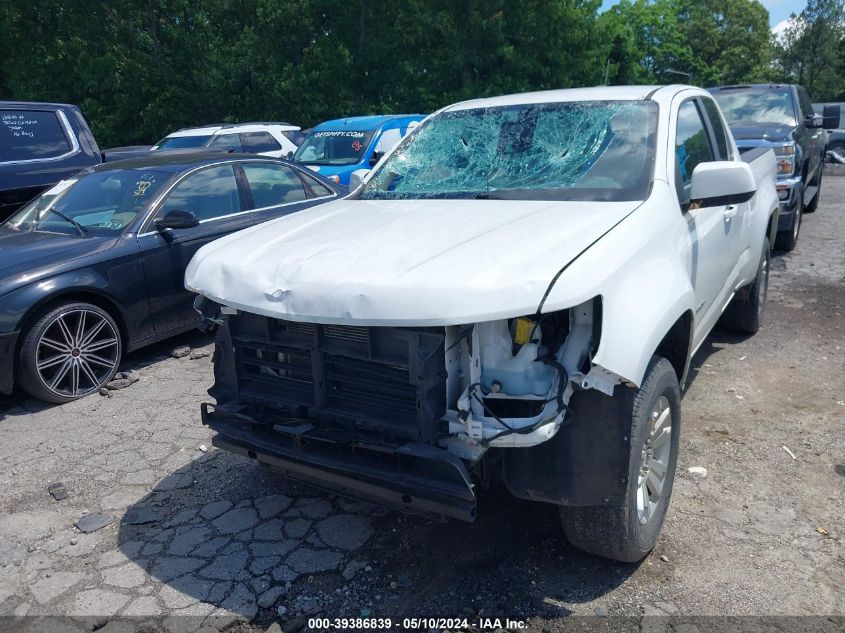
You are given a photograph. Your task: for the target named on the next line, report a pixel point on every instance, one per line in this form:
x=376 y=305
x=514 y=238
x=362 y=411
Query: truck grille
x=384 y=379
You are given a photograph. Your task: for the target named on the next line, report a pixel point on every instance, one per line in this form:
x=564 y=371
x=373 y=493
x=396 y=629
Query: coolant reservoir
x=518 y=374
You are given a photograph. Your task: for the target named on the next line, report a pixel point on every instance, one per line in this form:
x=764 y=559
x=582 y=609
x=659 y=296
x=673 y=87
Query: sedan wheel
x=70 y=352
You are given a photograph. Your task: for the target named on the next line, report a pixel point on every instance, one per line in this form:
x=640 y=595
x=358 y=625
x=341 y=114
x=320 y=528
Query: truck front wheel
x=628 y=533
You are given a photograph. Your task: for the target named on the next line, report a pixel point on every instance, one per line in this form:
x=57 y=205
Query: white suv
x=269 y=139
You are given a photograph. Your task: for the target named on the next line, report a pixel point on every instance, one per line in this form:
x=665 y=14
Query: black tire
x=57 y=340
x=787 y=240
x=816 y=182
x=746 y=310
x=619 y=533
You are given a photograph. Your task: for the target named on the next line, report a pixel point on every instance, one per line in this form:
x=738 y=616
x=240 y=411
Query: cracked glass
x=586 y=150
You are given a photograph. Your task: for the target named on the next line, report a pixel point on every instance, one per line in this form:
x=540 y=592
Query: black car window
x=318 y=188
x=719 y=130
x=273 y=184
x=804 y=101
x=210 y=193
x=257 y=142
x=692 y=147
x=227 y=140
x=105 y=201
x=31 y=134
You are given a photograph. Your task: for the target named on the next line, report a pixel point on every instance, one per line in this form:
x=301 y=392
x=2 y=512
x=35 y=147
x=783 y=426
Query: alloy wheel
x=654 y=460
x=77 y=352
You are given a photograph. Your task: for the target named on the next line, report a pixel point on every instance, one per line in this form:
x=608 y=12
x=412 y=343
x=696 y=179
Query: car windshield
x=99 y=202
x=183 y=142
x=334 y=147
x=582 y=150
x=751 y=106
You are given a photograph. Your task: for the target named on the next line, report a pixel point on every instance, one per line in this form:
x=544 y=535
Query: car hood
x=772 y=132
x=411 y=262
x=25 y=254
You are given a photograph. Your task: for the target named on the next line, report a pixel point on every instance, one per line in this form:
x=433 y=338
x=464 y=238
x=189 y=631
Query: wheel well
x=70 y=296
x=675 y=346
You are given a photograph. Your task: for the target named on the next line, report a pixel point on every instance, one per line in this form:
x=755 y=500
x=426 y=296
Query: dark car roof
x=179 y=161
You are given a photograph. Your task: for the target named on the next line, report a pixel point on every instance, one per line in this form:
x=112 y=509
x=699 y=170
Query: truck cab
x=781 y=117
x=40 y=144
x=335 y=149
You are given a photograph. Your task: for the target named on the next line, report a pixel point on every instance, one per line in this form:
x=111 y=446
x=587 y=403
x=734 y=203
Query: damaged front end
x=408 y=417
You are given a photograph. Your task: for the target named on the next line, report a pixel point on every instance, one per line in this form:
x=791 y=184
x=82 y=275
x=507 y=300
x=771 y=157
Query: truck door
x=813 y=140
x=715 y=232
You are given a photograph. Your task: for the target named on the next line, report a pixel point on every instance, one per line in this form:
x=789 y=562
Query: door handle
x=731 y=211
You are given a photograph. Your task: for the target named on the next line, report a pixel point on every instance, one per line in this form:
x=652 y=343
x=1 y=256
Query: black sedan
x=94 y=267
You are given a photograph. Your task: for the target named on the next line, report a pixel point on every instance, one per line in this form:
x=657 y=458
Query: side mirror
x=356 y=178
x=176 y=219
x=289 y=155
x=376 y=157
x=813 y=120
x=831 y=117
x=720 y=183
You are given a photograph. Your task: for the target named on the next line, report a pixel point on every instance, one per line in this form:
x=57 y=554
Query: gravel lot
x=199 y=538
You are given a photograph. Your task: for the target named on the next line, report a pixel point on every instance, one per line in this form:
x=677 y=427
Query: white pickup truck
x=515 y=292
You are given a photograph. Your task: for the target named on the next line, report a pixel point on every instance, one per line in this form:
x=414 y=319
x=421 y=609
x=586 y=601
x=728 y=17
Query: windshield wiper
x=82 y=230
x=488 y=196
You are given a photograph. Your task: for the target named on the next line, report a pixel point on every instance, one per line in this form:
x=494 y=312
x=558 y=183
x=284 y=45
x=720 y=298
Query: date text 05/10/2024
x=414 y=623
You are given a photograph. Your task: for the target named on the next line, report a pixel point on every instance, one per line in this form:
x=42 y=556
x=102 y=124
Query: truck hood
x=410 y=262
x=772 y=132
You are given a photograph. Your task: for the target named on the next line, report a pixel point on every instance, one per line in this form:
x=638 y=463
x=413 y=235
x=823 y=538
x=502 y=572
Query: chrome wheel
x=77 y=352
x=654 y=461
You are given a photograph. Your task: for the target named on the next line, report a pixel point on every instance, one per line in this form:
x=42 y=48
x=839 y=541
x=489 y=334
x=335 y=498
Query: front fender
x=638 y=313
x=641 y=269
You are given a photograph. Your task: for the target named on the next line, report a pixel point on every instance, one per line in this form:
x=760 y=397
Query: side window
x=692 y=146
x=388 y=140
x=209 y=194
x=272 y=184
x=31 y=134
x=719 y=130
x=257 y=142
x=227 y=140
x=318 y=188
x=806 y=104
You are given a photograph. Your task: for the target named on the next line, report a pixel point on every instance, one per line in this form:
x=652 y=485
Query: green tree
x=811 y=50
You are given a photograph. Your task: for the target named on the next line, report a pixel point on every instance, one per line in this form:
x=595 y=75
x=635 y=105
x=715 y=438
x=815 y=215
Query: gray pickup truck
x=781 y=116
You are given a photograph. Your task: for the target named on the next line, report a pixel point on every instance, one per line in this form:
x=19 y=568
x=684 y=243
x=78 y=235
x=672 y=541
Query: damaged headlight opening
x=516 y=375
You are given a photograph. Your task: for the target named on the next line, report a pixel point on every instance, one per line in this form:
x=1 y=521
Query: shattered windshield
x=581 y=150
x=753 y=106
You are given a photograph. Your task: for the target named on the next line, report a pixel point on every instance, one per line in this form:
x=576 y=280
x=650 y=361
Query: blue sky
x=779 y=10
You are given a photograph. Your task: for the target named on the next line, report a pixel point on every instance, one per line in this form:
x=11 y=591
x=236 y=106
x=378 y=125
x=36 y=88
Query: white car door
x=715 y=232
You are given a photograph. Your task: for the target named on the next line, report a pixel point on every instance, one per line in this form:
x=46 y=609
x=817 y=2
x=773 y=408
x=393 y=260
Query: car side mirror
x=176 y=219
x=813 y=120
x=289 y=155
x=831 y=117
x=720 y=183
x=356 y=178
x=375 y=158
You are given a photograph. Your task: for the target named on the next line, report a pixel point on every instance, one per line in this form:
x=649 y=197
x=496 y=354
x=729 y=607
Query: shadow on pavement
x=228 y=539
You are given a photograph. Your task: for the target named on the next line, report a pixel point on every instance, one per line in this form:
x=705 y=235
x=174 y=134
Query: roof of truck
x=364 y=123
x=597 y=93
